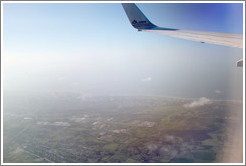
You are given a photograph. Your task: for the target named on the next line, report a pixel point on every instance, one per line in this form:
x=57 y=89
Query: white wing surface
x=219 y=38
x=139 y=21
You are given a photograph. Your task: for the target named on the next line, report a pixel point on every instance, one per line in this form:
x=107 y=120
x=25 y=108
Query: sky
x=93 y=49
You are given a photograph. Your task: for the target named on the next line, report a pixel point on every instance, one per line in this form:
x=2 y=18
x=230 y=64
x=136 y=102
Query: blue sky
x=92 y=48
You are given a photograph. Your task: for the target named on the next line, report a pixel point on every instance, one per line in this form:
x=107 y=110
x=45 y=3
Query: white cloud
x=147 y=79
x=217 y=91
x=61 y=78
x=198 y=103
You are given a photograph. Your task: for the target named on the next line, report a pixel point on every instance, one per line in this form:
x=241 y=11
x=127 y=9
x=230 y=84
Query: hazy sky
x=92 y=48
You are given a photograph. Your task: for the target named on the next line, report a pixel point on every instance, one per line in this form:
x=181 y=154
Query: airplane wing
x=139 y=21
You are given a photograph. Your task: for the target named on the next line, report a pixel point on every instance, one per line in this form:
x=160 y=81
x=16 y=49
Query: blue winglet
x=139 y=20
x=136 y=17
